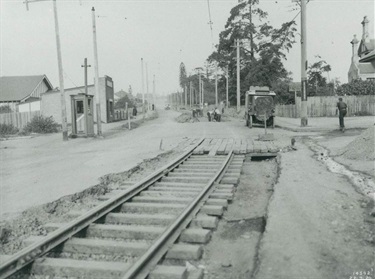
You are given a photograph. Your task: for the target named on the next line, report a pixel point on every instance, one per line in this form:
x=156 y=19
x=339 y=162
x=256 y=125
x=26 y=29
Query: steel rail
x=142 y=267
x=29 y=254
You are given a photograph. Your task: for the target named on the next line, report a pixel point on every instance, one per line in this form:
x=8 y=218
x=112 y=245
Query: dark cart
x=260 y=106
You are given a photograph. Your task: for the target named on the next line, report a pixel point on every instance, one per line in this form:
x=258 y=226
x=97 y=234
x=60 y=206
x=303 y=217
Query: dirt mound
x=362 y=148
x=186 y=117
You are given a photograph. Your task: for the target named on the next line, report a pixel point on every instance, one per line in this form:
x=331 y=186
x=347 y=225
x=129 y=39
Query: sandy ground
x=44 y=168
x=317 y=224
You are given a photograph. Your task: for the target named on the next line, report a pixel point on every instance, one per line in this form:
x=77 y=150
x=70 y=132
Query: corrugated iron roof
x=17 y=88
x=366 y=68
x=368 y=57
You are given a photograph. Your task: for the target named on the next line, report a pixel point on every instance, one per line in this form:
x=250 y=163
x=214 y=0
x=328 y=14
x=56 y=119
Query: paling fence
x=18 y=119
x=326 y=106
x=120 y=114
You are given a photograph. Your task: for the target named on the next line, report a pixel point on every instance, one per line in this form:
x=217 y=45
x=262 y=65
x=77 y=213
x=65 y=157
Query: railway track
x=148 y=229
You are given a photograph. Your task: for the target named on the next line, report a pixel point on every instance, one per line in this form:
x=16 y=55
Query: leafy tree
x=317 y=83
x=183 y=76
x=263 y=48
x=121 y=103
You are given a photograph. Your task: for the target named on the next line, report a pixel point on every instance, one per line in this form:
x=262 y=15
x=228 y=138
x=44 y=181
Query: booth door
x=80 y=116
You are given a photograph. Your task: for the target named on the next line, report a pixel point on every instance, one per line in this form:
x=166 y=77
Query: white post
x=97 y=97
x=126 y=108
x=129 y=120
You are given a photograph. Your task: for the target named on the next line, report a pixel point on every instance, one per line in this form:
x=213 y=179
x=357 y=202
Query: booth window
x=89 y=106
x=80 y=107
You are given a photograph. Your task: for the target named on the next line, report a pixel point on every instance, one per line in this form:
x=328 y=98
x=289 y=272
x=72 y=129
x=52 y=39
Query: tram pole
x=304 y=120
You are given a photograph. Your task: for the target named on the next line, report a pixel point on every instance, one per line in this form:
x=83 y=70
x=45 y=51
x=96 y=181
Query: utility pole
x=97 y=97
x=203 y=93
x=304 y=119
x=60 y=68
x=200 y=89
x=153 y=91
x=147 y=92
x=190 y=94
x=85 y=66
x=185 y=91
x=227 y=76
x=216 y=97
x=238 y=76
x=143 y=90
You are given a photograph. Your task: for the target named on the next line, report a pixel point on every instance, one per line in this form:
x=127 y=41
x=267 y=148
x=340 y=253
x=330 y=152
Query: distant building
x=363 y=56
x=22 y=93
x=51 y=103
x=120 y=94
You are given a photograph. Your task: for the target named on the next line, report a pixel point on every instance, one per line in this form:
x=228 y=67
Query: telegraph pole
x=203 y=93
x=85 y=66
x=153 y=91
x=190 y=95
x=227 y=76
x=97 y=97
x=61 y=78
x=60 y=67
x=238 y=76
x=143 y=90
x=185 y=95
x=216 y=97
x=304 y=119
x=147 y=92
x=200 y=88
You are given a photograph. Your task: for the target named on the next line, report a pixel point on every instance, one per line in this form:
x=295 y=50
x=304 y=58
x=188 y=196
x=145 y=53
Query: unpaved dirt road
x=291 y=217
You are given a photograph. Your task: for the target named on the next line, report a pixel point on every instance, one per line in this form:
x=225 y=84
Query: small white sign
x=109 y=83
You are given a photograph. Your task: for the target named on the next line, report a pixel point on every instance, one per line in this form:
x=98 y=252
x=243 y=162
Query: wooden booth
x=82 y=115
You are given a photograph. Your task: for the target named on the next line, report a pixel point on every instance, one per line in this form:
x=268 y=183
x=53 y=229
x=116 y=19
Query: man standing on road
x=341 y=107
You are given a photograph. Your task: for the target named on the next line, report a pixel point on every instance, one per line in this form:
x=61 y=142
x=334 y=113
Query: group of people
x=214 y=115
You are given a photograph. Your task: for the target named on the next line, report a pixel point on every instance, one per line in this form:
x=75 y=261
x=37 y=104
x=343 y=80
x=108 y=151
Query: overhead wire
x=210 y=23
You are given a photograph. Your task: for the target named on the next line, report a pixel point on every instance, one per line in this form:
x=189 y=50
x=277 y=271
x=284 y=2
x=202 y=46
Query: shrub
x=8 y=129
x=42 y=125
x=5 y=109
x=357 y=87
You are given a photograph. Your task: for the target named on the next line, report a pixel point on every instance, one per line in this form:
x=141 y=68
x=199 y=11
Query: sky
x=162 y=32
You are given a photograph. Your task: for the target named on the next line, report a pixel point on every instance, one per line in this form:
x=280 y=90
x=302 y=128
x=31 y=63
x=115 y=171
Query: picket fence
x=18 y=119
x=326 y=106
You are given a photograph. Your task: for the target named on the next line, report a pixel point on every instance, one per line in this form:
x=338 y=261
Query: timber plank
x=249 y=146
x=243 y=146
x=214 y=149
x=208 y=147
x=221 y=149
x=236 y=146
x=229 y=146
